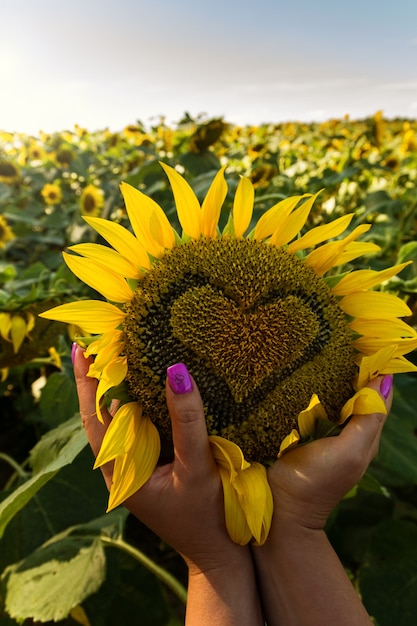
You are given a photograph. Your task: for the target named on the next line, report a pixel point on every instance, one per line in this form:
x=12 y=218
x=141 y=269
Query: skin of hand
x=301 y=580
x=309 y=481
x=182 y=503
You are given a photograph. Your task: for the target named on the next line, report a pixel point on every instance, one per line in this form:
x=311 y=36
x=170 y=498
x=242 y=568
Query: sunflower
x=92 y=200
x=51 y=193
x=6 y=233
x=9 y=172
x=280 y=353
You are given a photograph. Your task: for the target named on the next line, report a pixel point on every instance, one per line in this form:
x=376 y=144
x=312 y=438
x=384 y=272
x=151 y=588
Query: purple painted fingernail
x=386 y=385
x=179 y=378
x=73 y=351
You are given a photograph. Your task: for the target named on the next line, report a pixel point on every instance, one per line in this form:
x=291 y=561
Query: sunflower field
x=62 y=558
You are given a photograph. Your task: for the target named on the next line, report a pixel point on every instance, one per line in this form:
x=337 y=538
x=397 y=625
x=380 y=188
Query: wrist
x=233 y=558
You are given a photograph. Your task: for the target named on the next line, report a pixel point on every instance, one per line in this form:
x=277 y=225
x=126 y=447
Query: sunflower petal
x=121 y=240
x=212 y=204
x=227 y=454
x=362 y=280
x=364 y=402
x=186 y=202
x=235 y=518
x=135 y=468
x=328 y=255
x=243 y=206
x=111 y=285
x=149 y=222
x=356 y=249
x=321 y=233
x=276 y=216
x=391 y=329
x=5 y=325
x=371 y=366
x=255 y=498
x=112 y=375
x=92 y=316
x=17 y=332
x=294 y=223
x=369 y=304
x=121 y=433
x=308 y=417
x=108 y=257
x=289 y=442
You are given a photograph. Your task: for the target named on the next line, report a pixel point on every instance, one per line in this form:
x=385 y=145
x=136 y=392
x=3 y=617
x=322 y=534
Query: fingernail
x=386 y=385
x=179 y=378
x=73 y=351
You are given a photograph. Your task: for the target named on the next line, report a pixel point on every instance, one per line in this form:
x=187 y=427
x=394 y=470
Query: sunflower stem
x=168 y=579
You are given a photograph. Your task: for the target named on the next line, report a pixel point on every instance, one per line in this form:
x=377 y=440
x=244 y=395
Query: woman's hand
x=309 y=481
x=301 y=579
x=182 y=503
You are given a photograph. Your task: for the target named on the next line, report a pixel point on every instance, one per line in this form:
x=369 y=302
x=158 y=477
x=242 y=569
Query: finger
x=189 y=430
x=86 y=389
x=364 y=431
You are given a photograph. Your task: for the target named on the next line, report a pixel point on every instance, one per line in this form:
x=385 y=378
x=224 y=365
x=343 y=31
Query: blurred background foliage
x=61 y=558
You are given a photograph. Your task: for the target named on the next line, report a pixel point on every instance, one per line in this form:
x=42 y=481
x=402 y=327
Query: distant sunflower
x=9 y=172
x=51 y=193
x=6 y=233
x=92 y=201
x=279 y=353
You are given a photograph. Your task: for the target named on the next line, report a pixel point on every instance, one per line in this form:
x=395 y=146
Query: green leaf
x=50 y=589
x=66 y=442
x=59 y=400
x=388 y=579
x=396 y=464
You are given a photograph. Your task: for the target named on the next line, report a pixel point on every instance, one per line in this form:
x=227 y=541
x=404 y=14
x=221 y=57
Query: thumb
x=189 y=431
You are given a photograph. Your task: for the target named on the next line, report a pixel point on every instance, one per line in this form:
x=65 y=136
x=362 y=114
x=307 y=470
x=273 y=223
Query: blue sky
x=107 y=64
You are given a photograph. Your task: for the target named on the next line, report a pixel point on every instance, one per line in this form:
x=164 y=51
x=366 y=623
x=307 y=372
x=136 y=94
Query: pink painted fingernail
x=179 y=378
x=386 y=385
x=73 y=351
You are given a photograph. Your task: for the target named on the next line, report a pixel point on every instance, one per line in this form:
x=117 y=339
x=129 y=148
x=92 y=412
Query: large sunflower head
x=280 y=353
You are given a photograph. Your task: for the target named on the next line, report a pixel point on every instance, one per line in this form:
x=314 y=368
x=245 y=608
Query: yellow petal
x=212 y=204
x=111 y=285
x=362 y=280
x=356 y=249
x=289 y=442
x=255 y=498
x=93 y=316
x=5 y=325
x=134 y=469
x=369 y=345
x=108 y=257
x=112 y=375
x=328 y=255
x=398 y=365
x=321 y=233
x=235 y=518
x=276 y=216
x=364 y=402
x=372 y=366
x=186 y=202
x=293 y=224
x=17 y=332
x=121 y=240
x=391 y=329
x=149 y=222
x=308 y=417
x=243 y=206
x=369 y=304
x=121 y=433
x=227 y=454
